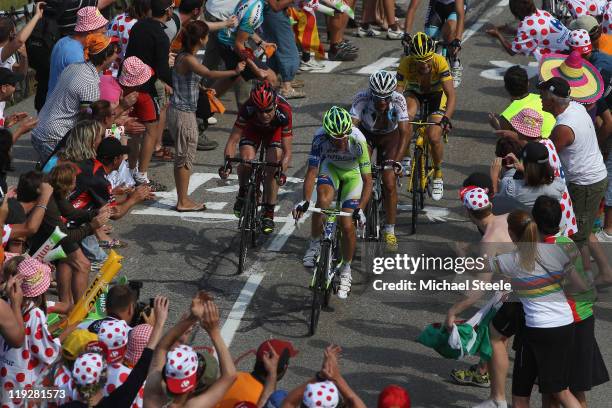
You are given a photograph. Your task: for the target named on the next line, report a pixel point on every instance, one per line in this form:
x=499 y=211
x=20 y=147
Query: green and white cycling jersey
x=341 y=167
x=355 y=157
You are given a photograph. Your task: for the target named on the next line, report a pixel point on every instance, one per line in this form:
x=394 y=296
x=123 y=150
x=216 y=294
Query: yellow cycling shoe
x=390 y=242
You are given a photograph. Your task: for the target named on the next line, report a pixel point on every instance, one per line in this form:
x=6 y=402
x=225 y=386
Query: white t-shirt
x=582 y=160
x=540 y=290
x=540 y=34
x=8 y=63
x=221 y=9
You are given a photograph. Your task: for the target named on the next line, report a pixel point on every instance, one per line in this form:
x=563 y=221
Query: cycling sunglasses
x=382 y=98
x=269 y=110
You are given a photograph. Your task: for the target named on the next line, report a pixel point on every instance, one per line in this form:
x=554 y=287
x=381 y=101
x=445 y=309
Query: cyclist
x=265 y=118
x=381 y=114
x=338 y=159
x=424 y=77
x=445 y=20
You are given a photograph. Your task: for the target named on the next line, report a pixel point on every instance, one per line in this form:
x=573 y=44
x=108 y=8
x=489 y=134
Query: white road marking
x=224 y=189
x=497 y=74
x=329 y=66
x=169 y=211
x=256 y=273
x=379 y=64
x=497 y=9
x=433 y=214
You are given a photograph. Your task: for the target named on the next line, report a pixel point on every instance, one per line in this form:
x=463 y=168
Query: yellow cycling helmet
x=422 y=47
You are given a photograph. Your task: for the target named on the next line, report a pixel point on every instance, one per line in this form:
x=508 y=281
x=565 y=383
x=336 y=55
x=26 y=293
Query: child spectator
x=25 y=366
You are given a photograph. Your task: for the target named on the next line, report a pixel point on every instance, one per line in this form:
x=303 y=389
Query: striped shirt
x=185 y=87
x=540 y=289
x=78 y=84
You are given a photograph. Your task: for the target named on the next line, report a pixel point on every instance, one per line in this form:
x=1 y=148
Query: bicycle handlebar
x=424 y=123
x=252 y=162
x=330 y=211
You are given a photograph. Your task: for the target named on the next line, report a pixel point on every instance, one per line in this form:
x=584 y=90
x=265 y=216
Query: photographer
x=120 y=305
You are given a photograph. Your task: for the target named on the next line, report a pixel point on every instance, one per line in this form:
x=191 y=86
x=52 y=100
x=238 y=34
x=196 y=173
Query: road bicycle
x=324 y=280
x=249 y=223
x=375 y=210
x=422 y=169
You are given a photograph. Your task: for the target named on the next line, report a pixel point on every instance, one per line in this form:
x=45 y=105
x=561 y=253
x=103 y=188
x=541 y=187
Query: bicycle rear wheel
x=417 y=190
x=245 y=229
x=319 y=287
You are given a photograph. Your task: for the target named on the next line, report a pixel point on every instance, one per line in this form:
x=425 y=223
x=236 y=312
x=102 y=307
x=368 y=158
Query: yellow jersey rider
x=424 y=76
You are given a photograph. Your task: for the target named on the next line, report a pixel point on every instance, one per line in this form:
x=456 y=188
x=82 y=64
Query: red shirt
x=281 y=126
x=92 y=190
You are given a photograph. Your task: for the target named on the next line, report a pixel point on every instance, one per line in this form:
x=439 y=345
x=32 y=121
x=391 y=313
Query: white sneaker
x=212 y=120
x=603 y=236
x=344 y=286
x=437 y=190
x=394 y=34
x=492 y=404
x=369 y=32
x=310 y=258
x=457 y=72
x=311 y=65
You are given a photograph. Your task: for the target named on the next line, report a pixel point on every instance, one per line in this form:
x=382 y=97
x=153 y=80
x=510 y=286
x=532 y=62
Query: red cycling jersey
x=253 y=131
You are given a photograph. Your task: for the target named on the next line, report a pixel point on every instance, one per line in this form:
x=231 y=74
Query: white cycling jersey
x=374 y=122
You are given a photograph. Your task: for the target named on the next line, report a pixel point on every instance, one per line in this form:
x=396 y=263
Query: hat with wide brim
x=585 y=81
x=134 y=72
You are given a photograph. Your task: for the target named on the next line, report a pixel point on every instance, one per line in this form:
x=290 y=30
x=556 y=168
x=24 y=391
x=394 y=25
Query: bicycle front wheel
x=417 y=190
x=319 y=287
x=372 y=212
x=246 y=226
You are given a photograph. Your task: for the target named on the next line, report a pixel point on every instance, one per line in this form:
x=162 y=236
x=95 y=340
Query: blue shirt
x=250 y=18
x=65 y=52
x=603 y=62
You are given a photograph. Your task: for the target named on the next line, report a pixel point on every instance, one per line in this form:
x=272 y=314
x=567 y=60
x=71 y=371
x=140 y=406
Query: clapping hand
x=270 y=360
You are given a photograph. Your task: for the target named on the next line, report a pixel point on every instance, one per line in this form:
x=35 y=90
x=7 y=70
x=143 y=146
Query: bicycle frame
x=249 y=222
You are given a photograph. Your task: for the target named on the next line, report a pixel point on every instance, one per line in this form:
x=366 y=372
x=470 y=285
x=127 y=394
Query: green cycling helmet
x=337 y=122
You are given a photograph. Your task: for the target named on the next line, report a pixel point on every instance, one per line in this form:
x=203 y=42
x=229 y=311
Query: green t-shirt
x=534 y=102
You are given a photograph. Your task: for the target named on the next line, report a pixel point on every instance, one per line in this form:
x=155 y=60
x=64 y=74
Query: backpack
x=44 y=36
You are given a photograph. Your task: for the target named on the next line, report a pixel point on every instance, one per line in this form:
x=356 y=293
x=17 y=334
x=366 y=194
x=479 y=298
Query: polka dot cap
x=321 y=394
x=606 y=23
x=114 y=333
x=580 y=41
x=476 y=199
x=88 y=368
x=181 y=368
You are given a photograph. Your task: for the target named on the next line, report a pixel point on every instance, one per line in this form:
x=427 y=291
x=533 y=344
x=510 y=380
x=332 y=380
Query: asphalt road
x=177 y=255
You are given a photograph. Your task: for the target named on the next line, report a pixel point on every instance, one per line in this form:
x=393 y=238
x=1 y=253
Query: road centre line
x=256 y=273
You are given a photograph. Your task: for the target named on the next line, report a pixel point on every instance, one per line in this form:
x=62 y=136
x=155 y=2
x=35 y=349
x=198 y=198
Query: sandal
x=163 y=154
x=293 y=94
x=197 y=208
x=113 y=243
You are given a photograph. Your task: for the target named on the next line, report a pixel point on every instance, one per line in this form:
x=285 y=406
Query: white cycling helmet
x=383 y=83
